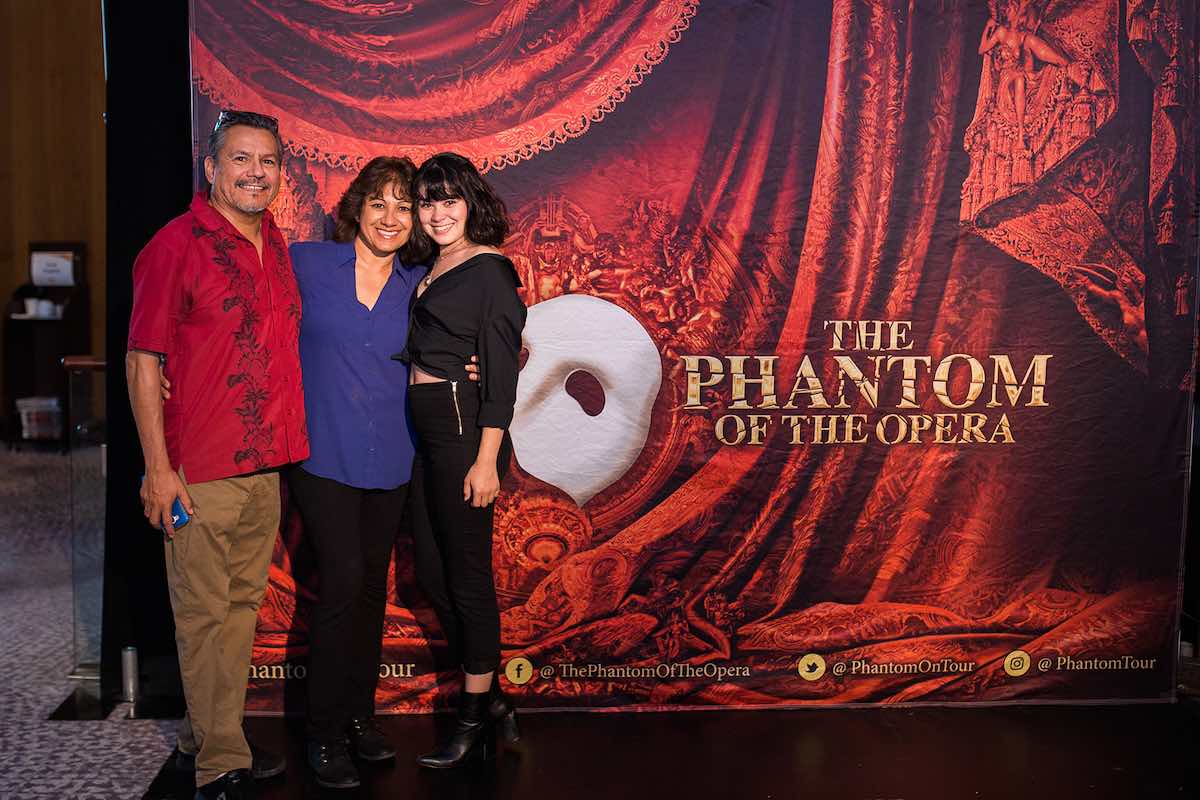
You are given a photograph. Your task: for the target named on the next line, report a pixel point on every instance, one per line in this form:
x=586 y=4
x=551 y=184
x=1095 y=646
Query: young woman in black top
x=466 y=304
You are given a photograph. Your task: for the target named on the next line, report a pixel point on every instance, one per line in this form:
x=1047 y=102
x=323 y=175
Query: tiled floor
x=105 y=760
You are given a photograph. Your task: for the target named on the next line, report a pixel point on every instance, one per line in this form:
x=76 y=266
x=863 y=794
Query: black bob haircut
x=448 y=176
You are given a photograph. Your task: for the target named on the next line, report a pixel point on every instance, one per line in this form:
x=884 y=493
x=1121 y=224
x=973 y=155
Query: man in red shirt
x=216 y=305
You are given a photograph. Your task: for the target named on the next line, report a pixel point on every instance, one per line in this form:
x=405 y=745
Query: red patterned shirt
x=229 y=326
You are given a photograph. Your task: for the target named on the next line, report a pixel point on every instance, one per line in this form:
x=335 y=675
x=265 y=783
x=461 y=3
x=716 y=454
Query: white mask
x=554 y=438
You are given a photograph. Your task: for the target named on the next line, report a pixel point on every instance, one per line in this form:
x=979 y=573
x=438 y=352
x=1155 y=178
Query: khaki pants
x=216 y=573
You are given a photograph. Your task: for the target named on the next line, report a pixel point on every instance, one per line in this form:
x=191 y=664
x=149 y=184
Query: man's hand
x=158 y=494
x=164 y=385
x=473 y=369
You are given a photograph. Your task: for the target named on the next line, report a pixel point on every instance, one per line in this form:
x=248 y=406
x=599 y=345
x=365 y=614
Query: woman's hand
x=164 y=385
x=481 y=485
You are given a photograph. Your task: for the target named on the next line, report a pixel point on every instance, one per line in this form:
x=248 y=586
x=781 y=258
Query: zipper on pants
x=454 y=397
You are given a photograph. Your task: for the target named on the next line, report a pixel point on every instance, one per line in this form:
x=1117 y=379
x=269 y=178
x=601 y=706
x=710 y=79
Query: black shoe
x=185 y=762
x=331 y=765
x=367 y=741
x=474 y=736
x=263 y=763
x=503 y=713
x=236 y=785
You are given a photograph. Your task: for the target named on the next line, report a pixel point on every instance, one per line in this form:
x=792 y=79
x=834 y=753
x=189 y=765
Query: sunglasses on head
x=229 y=117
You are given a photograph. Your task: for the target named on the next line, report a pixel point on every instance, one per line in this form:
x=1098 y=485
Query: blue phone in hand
x=179 y=515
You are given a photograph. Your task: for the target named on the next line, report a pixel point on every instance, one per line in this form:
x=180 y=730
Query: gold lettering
x=812 y=386
x=793 y=421
x=739 y=426
x=1003 y=431
x=868 y=334
x=973 y=428
x=758 y=427
x=848 y=369
x=839 y=328
x=695 y=383
x=942 y=425
x=1003 y=373
x=941 y=381
x=854 y=429
x=901 y=428
x=766 y=369
x=918 y=424
x=825 y=429
x=908 y=374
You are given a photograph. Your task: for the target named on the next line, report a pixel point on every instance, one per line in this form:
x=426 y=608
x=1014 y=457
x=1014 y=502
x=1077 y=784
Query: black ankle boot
x=474 y=736
x=331 y=765
x=502 y=712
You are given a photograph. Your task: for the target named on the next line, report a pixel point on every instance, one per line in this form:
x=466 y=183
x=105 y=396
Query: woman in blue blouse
x=352 y=491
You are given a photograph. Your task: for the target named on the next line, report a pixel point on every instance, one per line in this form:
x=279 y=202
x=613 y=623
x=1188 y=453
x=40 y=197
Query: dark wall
x=149 y=182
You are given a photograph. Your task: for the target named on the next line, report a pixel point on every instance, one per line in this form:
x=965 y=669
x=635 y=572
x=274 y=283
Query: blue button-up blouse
x=354 y=392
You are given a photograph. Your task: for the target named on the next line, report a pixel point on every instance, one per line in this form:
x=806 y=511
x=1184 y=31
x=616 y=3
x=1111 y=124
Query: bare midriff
x=418 y=375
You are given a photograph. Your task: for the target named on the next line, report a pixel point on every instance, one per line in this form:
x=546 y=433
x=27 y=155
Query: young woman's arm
x=499 y=348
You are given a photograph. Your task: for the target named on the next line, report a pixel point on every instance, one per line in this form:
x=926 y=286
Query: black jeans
x=352 y=532
x=452 y=540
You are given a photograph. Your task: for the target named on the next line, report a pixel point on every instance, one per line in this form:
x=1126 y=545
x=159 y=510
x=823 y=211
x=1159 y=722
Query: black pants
x=352 y=532
x=452 y=540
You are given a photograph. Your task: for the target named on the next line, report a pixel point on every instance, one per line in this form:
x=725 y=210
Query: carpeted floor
x=39 y=758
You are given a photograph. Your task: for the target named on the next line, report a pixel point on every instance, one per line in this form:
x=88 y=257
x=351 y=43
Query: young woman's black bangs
x=438 y=192
x=436 y=186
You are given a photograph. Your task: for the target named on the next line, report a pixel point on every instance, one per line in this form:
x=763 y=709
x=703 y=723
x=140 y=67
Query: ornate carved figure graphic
x=1036 y=102
x=676 y=280
x=297 y=210
x=1048 y=183
x=1017 y=48
x=1160 y=34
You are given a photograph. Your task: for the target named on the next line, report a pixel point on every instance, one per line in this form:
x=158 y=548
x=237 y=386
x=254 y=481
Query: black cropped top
x=473 y=309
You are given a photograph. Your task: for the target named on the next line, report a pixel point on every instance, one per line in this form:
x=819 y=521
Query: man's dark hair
x=448 y=176
x=370 y=182
x=251 y=119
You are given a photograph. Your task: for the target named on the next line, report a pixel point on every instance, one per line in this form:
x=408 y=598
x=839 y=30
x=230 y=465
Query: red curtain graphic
x=996 y=183
x=498 y=82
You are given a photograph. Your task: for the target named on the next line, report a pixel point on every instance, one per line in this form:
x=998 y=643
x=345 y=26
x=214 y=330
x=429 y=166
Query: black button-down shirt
x=473 y=309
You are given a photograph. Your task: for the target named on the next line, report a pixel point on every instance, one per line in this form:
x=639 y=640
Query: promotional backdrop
x=860 y=344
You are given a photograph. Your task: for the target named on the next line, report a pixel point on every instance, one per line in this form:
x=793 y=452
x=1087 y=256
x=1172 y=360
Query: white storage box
x=41 y=417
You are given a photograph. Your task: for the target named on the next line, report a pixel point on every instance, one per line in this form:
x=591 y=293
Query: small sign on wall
x=56 y=264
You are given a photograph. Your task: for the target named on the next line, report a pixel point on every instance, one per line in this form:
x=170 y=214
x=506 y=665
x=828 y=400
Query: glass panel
x=86 y=425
